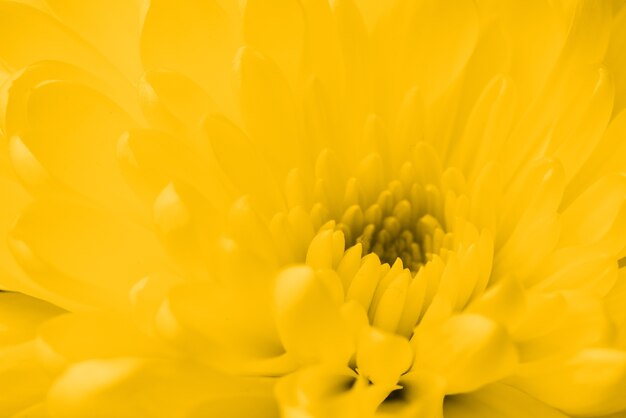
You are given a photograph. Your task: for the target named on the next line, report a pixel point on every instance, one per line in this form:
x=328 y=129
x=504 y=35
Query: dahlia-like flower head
x=313 y=208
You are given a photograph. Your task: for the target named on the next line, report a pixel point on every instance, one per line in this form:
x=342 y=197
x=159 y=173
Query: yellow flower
x=311 y=208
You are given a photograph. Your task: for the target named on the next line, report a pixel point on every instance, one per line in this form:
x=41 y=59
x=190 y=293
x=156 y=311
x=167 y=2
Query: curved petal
x=308 y=320
x=77 y=337
x=277 y=29
x=23 y=381
x=20 y=315
x=16 y=92
x=237 y=406
x=219 y=323
x=196 y=38
x=174 y=102
x=497 y=400
x=83 y=254
x=468 y=350
x=14 y=200
x=72 y=131
x=128 y=387
x=592 y=382
x=112 y=27
x=30 y=35
x=382 y=357
x=268 y=109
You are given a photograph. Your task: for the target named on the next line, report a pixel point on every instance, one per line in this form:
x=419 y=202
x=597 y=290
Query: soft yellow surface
x=313 y=208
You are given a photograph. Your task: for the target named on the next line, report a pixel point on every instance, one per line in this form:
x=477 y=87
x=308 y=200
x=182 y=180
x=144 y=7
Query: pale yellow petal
x=173 y=102
x=108 y=27
x=277 y=29
x=589 y=383
x=73 y=130
x=382 y=357
x=195 y=38
x=308 y=321
x=76 y=337
x=36 y=36
x=272 y=123
x=21 y=315
x=23 y=381
x=128 y=387
x=114 y=253
x=497 y=400
x=468 y=351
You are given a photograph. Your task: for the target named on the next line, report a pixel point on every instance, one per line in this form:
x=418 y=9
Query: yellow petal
x=468 y=350
x=456 y=30
x=277 y=29
x=15 y=199
x=246 y=167
x=22 y=379
x=584 y=270
x=592 y=214
x=108 y=27
x=615 y=59
x=308 y=320
x=582 y=321
x=237 y=406
x=589 y=383
x=219 y=323
x=267 y=108
x=497 y=400
x=20 y=316
x=151 y=159
x=128 y=387
x=365 y=281
x=195 y=38
x=607 y=157
x=76 y=337
x=173 y=102
x=583 y=128
x=35 y=36
x=539 y=219
x=323 y=391
x=61 y=245
x=60 y=118
x=488 y=126
x=186 y=224
x=382 y=357
x=16 y=91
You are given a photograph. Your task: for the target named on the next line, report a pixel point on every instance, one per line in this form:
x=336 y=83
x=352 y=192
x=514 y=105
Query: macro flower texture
x=313 y=208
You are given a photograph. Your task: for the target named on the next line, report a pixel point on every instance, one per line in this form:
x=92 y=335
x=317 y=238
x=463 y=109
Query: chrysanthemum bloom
x=312 y=208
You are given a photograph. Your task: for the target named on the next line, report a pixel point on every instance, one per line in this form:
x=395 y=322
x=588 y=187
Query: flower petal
x=308 y=320
x=219 y=323
x=23 y=381
x=108 y=27
x=468 y=350
x=128 y=387
x=195 y=38
x=497 y=400
x=591 y=382
x=268 y=111
x=174 y=102
x=382 y=357
x=592 y=215
x=277 y=29
x=82 y=254
x=72 y=131
x=14 y=199
x=76 y=337
x=20 y=316
x=242 y=162
x=30 y=35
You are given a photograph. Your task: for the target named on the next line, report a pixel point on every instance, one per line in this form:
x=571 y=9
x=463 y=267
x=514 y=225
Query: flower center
x=403 y=223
